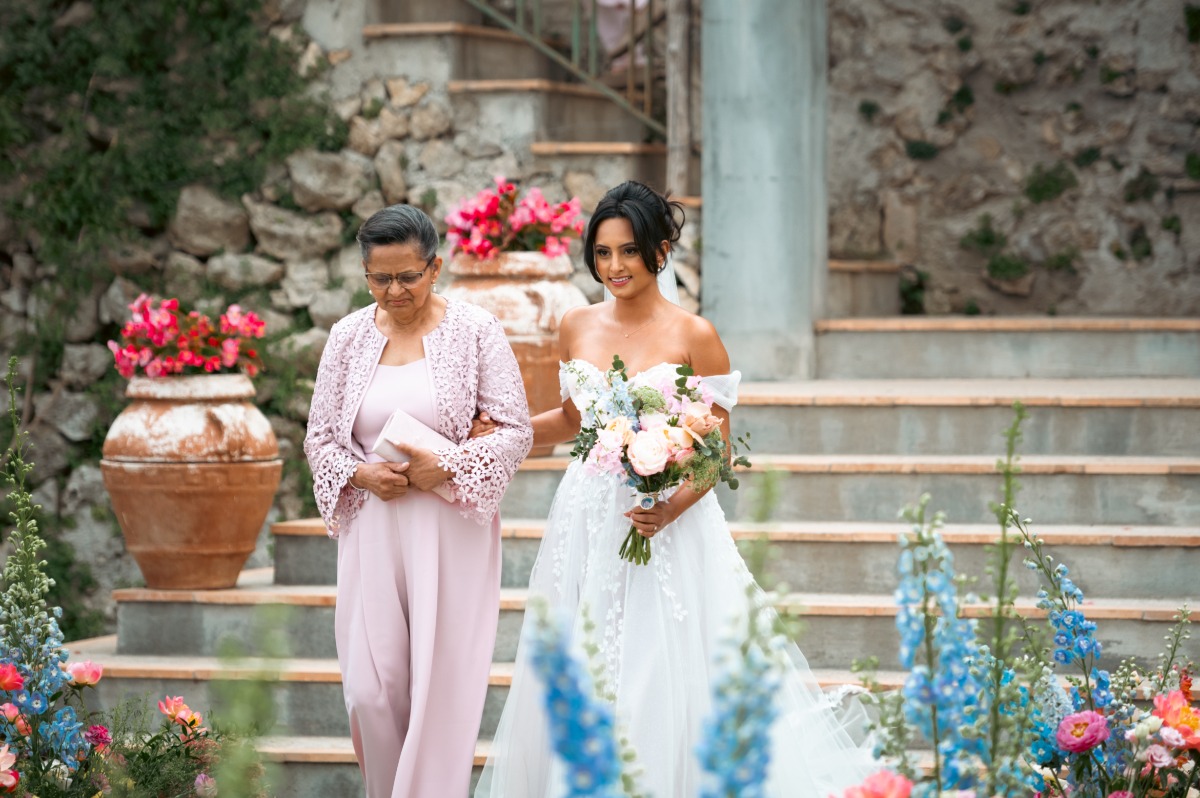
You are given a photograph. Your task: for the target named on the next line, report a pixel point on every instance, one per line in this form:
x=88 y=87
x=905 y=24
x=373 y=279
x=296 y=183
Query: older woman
x=418 y=577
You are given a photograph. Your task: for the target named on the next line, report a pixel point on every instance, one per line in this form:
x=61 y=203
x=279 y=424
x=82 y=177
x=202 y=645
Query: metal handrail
x=575 y=64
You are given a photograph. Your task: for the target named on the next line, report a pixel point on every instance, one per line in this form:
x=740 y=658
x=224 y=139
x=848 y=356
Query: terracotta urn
x=529 y=292
x=192 y=466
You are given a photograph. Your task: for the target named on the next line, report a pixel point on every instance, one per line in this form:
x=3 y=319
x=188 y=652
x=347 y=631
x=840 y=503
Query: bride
x=658 y=625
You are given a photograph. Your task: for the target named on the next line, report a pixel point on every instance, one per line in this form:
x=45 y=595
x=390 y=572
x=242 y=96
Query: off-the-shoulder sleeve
x=331 y=463
x=484 y=466
x=724 y=388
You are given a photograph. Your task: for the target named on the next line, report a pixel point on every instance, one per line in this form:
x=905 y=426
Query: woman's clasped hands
x=385 y=480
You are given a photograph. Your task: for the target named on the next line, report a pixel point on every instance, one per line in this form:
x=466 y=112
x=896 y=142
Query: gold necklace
x=644 y=326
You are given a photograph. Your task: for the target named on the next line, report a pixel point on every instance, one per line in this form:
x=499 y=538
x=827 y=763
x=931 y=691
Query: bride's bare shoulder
x=706 y=351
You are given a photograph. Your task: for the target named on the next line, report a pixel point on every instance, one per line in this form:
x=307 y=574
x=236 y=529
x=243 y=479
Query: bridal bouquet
x=656 y=438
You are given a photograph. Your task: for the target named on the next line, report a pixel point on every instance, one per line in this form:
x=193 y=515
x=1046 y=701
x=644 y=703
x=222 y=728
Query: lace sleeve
x=331 y=463
x=724 y=388
x=483 y=467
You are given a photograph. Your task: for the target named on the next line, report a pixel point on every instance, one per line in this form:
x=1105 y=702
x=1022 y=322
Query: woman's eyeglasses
x=382 y=281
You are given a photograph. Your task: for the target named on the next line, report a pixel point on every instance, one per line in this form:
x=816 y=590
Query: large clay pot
x=192 y=467
x=529 y=292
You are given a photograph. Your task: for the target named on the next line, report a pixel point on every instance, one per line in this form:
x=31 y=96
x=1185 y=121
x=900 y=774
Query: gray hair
x=398 y=224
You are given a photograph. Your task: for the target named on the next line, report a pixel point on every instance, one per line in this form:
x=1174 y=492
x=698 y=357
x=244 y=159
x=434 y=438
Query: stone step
x=966 y=416
x=839 y=627
x=1055 y=347
x=520 y=112
x=441 y=51
x=1060 y=489
x=306 y=693
x=610 y=162
x=840 y=557
x=862 y=288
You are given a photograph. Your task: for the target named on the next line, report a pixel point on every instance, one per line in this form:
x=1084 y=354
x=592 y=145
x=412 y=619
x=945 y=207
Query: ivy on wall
x=109 y=108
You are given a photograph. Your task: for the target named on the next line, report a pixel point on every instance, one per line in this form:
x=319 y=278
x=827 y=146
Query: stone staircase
x=1111 y=479
x=902 y=406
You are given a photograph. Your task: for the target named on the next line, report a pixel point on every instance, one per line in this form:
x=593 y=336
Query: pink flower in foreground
x=173 y=707
x=1158 y=757
x=98 y=736
x=1082 y=731
x=8 y=774
x=85 y=673
x=14 y=716
x=884 y=784
x=10 y=678
x=206 y=786
x=1120 y=794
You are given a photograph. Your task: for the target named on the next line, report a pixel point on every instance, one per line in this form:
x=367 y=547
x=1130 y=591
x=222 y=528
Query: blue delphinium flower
x=937 y=646
x=735 y=749
x=581 y=725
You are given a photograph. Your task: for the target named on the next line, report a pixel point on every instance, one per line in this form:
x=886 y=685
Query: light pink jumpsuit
x=417 y=606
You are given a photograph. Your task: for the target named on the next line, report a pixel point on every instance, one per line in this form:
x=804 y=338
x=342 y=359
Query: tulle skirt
x=658 y=628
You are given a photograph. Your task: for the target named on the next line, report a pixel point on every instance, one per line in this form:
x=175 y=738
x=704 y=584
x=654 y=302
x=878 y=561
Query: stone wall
x=999 y=93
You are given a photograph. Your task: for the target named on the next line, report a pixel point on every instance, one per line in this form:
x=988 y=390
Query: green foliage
x=1093 y=52
x=965 y=44
x=912 y=291
x=920 y=150
x=868 y=109
x=1172 y=224
x=1003 y=266
x=1063 y=260
x=1007 y=87
x=971 y=308
x=953 y=24
x=1192 y=165
x=1191 y=19
x=962 y=99
x=1109 y=75
x=1048 y=184
x=1085 y=158
x=1142 y=187
x=1140 y=246
x=108 y=119
x=1073 y=107
x=429 y=199
x=1021 y=7
x=372 y=109
x=1039 y=58
x=984 y=239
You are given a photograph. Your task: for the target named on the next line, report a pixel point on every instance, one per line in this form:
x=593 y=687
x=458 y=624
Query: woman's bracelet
x=350 y=479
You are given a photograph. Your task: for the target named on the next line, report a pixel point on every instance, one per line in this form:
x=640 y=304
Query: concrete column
x=763 y=183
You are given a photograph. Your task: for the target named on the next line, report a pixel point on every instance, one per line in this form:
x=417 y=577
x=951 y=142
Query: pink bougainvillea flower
x=1082 y=731
x=1176 y=712
x=1120 y=794
x=884 y=784
x=10 y=678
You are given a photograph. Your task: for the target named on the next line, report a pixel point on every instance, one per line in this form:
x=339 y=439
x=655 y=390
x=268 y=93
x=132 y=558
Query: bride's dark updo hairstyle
x=652 y=216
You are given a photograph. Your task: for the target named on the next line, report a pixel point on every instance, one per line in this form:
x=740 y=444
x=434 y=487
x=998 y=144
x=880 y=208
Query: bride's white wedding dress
x=658 y=629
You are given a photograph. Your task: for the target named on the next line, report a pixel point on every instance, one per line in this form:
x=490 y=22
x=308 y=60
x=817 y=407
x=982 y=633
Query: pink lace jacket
x=472 y=368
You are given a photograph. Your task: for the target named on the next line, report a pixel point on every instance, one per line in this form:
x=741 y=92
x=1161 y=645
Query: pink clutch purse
x=402 y=427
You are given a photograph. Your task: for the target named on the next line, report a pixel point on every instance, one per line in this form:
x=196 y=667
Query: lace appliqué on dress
x=471 y=341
